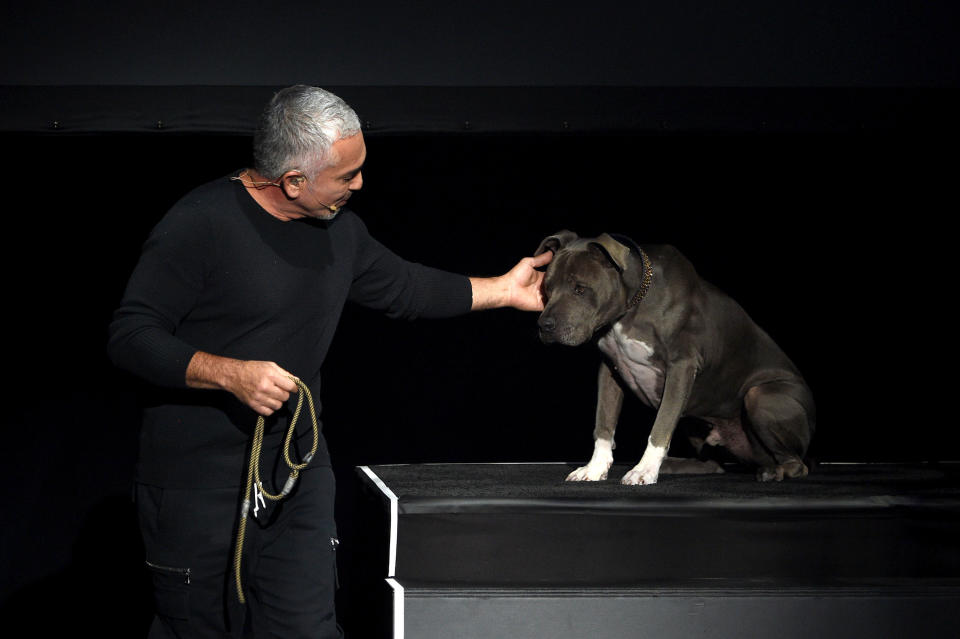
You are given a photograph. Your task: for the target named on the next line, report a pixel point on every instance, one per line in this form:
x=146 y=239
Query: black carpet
x=837 y=483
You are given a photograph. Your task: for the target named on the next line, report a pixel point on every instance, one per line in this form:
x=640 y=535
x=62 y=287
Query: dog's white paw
x=648 y=470
x=589 y=473
x=641 y=476
x=598 y=466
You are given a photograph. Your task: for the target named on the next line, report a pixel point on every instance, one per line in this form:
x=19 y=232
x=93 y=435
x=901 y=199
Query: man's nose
x=357 y=182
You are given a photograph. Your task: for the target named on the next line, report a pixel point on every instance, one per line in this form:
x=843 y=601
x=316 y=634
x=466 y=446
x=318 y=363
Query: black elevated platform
x=512 y=550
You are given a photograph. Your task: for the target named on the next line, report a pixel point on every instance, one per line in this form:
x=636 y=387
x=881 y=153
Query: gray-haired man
x=238 y=289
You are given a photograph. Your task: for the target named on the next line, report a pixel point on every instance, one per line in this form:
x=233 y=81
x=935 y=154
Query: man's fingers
x=267 y=404
x=543 y=259
x=286 y=383
x=282 y=379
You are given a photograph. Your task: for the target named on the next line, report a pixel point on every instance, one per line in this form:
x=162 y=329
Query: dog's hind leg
x=780 y=422
x=609 y=402
x=684 y=466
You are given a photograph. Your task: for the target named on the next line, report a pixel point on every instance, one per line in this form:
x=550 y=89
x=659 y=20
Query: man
x=238 y=290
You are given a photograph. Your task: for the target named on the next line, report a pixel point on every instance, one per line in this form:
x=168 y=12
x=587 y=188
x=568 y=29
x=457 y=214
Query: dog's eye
x=579 y=289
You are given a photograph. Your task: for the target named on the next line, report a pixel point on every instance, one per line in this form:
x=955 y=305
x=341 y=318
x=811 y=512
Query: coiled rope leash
x=253 y=474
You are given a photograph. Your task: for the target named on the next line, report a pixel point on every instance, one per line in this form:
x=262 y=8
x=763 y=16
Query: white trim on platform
x=392 y=559
x=397 y=607
x=533 y=463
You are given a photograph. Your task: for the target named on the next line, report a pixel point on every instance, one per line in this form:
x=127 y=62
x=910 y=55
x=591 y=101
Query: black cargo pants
x=288 y=567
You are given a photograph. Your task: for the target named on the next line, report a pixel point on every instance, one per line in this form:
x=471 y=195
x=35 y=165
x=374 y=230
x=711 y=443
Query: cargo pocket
x=171 y=591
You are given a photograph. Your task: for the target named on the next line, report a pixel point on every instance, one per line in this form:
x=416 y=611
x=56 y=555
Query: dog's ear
x=555 y=242
x=616 y=252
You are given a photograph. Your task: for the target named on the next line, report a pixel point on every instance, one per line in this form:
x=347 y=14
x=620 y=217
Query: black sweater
x=221 y=275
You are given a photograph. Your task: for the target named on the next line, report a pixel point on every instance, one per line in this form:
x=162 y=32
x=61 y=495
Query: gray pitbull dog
x=685 y=349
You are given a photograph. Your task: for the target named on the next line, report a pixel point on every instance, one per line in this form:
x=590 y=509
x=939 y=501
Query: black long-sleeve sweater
x=221 y=275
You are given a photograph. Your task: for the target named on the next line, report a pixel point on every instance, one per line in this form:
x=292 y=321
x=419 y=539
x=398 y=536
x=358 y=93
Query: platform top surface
x=828 y=486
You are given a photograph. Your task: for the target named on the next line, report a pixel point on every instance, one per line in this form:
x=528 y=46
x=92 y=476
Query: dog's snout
x=547 y=323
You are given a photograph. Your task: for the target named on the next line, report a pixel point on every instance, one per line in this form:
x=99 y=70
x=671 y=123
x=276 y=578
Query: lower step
x=895 y=610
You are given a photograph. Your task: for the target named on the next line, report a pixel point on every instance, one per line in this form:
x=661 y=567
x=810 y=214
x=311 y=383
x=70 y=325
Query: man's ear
x=555 y=242
x=291 y=183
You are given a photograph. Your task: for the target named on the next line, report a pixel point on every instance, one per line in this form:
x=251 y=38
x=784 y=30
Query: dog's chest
x=633 y=359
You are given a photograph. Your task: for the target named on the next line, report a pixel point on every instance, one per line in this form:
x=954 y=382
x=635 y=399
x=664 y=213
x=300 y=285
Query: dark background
x=803 y=157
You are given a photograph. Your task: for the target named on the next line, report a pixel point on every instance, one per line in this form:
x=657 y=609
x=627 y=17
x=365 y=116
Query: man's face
x=334 y=184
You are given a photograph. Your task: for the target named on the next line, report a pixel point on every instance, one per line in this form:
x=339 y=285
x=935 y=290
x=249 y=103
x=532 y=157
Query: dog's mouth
x=554 y=329
x=560 y=335
x=547 y=337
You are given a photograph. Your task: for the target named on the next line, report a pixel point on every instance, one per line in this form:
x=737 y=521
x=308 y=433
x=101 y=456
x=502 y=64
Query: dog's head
x=586 y=287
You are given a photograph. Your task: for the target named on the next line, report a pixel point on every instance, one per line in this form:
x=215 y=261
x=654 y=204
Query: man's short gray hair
x=297 y=129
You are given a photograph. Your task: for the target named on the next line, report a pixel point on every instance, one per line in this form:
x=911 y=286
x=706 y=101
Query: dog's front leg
x=609 y=402
x=676 y=390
